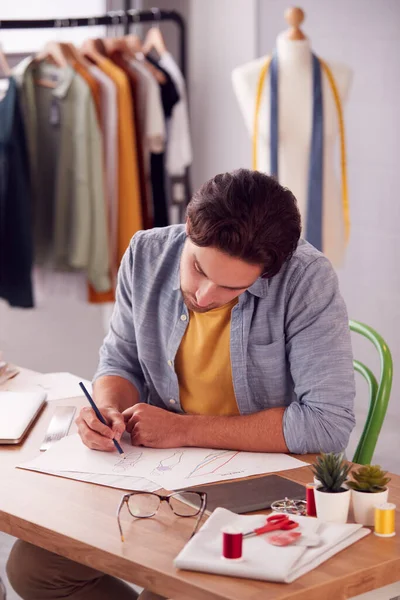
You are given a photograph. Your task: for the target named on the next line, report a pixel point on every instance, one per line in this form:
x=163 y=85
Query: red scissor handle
x=274 y=523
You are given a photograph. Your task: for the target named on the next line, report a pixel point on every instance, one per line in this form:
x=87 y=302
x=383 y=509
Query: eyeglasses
x=143 y=505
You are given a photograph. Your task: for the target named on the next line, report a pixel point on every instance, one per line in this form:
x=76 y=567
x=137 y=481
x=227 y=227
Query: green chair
x=379 y=394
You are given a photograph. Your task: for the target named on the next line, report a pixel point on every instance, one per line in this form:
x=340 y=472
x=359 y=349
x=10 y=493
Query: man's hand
x=154 y=427
x=94 y=434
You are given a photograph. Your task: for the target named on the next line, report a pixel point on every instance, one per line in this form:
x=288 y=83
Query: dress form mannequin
x=295 y=93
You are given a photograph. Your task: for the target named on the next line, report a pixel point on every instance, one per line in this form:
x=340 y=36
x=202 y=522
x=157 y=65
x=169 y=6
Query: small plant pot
x=364 y=505
x=332 y=508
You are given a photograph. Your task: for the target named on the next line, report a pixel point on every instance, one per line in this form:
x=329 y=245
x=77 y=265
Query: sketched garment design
x=128 y=462
x=212 y=463
x=167 y=464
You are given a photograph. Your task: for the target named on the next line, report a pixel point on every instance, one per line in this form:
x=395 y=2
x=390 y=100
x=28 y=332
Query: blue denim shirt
x=290 y=340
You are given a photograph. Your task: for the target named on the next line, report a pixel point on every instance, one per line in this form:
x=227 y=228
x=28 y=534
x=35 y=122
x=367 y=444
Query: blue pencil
x=98 y=414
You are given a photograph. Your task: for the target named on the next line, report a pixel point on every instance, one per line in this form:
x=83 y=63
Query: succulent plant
x=332 y=471
x=370 y=479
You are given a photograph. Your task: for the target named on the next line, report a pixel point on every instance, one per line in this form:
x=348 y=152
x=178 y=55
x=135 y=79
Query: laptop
x=18 y=411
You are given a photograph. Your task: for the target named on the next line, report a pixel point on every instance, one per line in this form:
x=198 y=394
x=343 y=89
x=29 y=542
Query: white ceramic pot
x=332 y=508
x=364 y=505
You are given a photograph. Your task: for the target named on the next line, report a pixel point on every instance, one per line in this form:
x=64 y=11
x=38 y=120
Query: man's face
x=210 y=278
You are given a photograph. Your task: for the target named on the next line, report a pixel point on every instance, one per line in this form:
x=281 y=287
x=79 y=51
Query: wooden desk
x=77 y=520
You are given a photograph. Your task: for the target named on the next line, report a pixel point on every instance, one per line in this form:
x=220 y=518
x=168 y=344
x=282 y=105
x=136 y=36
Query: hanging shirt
x=123 y=64
x=109 y=122
x=203 y=364
x=129 y=209
x=94 y=85
x=179 y=148
x=16 y=251
x=66 y=158
x=150 y=110
x=169 y=98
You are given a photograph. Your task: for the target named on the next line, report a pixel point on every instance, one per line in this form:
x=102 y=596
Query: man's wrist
x=184 y=430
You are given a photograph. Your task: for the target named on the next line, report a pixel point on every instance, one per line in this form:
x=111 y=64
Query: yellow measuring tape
x=339 y=109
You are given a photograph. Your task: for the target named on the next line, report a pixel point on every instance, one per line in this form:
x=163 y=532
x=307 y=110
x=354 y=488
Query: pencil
x=98 y=414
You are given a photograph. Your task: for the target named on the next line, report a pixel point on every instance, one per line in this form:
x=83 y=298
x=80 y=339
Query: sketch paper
x=56 y=385
x=117 y=481
x=171 y=469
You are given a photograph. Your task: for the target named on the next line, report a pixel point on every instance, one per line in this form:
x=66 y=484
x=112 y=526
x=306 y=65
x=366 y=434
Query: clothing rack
x=125 y=18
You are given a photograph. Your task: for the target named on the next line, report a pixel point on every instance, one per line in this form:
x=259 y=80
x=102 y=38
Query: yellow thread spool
x=385 y=520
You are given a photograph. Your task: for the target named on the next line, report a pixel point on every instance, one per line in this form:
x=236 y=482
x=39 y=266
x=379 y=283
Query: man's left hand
x=154 y=427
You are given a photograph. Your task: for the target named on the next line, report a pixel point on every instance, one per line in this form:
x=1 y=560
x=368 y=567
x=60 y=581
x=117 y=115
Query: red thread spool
x=310 y=499
x=232 y=543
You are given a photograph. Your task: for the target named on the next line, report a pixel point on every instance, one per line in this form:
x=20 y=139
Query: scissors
x=273 y=523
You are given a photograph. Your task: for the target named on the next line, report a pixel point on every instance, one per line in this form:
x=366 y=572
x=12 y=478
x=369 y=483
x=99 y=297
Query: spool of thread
x=232 y=541
x=310 y=499
x=385 y=520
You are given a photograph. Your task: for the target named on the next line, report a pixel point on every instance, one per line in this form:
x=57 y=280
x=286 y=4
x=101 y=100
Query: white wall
x=61 y=334
x=364 y=34
x=222 y=34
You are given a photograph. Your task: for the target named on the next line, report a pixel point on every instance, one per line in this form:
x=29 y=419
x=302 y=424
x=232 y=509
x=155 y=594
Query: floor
x=6 y=542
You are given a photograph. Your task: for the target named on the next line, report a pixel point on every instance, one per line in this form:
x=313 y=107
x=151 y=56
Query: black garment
x=169 y=93
x=16 y=248
x=169 y=97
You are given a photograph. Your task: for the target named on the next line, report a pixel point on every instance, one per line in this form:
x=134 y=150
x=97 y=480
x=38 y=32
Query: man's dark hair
x=247 y=215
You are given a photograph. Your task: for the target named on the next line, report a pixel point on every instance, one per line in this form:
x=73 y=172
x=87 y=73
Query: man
x=227 y=333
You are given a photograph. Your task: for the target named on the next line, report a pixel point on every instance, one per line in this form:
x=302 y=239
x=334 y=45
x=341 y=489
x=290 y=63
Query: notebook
x=18 y=410
x=250 y=495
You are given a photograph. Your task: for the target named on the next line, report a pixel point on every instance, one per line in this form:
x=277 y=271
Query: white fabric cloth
x=260 y=559
x=150 y=109
x=109 y=117
x=179 y=145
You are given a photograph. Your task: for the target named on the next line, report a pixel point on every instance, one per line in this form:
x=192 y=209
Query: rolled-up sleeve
x=118 y=354
x=318 y=347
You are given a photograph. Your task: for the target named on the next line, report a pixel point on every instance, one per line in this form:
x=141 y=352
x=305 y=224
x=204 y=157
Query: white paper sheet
x=56 y=385
x=260 y=559
x=171 y=468
x=116 y=481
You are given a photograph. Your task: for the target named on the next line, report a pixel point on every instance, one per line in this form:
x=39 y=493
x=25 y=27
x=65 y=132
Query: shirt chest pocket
x=268 y=374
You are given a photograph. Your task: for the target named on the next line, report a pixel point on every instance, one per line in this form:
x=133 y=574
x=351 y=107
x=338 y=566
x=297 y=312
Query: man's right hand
x=94 y=434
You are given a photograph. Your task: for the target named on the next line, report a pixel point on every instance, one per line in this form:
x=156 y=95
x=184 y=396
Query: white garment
x=150 y=110
x=203 y=551
x=109 y=120
x=179 y=145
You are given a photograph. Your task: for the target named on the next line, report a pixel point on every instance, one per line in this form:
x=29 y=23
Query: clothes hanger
x=133 y=49
x=55 y=53
x=154 y=41
x=94 y=50
x=294 y=17
x=77 y=55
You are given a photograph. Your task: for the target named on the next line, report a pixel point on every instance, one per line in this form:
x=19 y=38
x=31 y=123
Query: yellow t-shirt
x=203 y=364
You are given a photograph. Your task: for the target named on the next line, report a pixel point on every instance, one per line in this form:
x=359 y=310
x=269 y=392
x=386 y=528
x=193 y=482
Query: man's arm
x=318 y=346
x=119 y=382
x=158 y=428
x=259 y=432
x=112 y=391
x=119 y=379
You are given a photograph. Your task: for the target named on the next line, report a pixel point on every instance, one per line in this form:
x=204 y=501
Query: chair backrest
x=379 y=393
